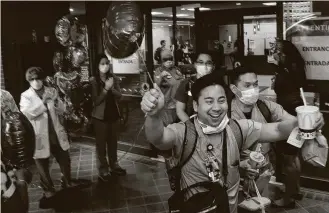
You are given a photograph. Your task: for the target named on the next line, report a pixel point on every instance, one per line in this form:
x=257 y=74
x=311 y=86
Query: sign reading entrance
x=312 y=40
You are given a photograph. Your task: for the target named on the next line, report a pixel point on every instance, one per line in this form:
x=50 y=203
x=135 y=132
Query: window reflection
x=259 y=34
x=185 y=34
x=162 y=23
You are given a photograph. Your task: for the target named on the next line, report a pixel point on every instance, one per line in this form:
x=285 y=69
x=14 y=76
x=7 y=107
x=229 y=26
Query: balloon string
x=141 y=55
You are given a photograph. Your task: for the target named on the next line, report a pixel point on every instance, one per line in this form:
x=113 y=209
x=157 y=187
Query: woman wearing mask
x=105 y=117
x=290 y=76
x=184 y=105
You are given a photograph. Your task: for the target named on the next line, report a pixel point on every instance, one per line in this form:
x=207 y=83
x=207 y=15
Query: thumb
x=157 y=88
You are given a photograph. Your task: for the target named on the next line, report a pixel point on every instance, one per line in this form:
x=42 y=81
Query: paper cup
x=307 y=116
x=256 y=159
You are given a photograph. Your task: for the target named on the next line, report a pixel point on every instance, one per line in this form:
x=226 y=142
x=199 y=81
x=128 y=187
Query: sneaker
x=117 y=170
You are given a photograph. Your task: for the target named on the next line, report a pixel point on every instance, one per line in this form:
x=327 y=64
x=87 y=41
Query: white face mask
x=202 y=70
x=250 y=96
x=36 y=84
x=103 y=68
x=212 y=130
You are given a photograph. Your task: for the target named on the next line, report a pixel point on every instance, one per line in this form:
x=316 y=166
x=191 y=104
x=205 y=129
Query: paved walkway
x=144 y=189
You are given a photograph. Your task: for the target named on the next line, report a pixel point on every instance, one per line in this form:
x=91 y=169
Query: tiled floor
x=144 y=189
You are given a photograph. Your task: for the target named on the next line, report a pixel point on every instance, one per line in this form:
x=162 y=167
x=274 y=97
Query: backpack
x=263 y=108
x=174 y=169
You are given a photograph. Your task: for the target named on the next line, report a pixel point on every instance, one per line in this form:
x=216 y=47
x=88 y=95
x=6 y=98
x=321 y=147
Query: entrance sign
x=312 y=40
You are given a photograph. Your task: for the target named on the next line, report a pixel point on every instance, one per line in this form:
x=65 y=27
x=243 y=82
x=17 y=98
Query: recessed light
x=191 y=25
x=204 y=8
x=269 y=3
x=190 y=9
x=182 y=8
x=169 y=25
x=156 y=13
x=71 y=9
x=238 y=4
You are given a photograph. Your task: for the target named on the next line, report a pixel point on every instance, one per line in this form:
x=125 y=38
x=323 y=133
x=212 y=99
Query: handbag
x=315 y=152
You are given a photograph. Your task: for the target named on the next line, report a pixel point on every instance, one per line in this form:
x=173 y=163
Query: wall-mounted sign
x=129 y=65
x=312 y=40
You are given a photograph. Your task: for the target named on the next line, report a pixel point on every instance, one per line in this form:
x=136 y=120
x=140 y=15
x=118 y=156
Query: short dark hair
x=162 y=42
x=195 y=56
x=205 y=81
x=34 y=73
x=235 y=77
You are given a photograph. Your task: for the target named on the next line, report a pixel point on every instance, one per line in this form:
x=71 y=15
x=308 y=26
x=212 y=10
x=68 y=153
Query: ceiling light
x=191 y=25
x=169 y=25
x=269 y=3
x=181 y=15
x=182 y=8
x=161 y=26
x=204 y=8
x=238 y=3
x=156 y=13
x=191 y=9
x=71 y=10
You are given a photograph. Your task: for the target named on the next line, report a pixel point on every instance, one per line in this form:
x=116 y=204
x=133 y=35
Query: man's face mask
x=203 y=68
x=249 y=96
x=36 y=84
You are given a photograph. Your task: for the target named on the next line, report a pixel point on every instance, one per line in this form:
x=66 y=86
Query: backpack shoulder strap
x=264 y=110
x=237 y=131
x=189 y=143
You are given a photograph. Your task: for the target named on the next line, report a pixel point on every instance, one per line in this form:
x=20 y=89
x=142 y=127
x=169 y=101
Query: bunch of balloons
x=71 y=34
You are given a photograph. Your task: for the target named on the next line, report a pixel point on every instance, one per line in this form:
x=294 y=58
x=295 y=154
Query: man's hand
x=249 y=171
x=319 y=123
x=153 y=101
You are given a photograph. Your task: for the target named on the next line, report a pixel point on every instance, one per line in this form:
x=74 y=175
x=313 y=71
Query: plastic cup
x=307 y=116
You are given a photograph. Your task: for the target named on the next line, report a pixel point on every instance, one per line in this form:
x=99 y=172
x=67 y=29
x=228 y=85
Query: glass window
x=162 y=22
x=185 y=34
x=309 y=32
x=259 y=34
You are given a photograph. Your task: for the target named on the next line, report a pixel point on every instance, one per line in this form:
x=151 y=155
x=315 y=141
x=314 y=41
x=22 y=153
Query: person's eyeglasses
x=208 y=63
x=167 y=59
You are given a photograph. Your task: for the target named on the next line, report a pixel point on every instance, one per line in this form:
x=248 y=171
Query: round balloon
x=123 y=29
x=62 y=31
x=70 y=31
x=77 y=32
x=76 y=55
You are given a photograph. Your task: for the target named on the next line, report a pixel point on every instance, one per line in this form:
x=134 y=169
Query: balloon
x=58 y=61
x=70 y=31
x=76 y=55
x=18 y=145
x=77 y=32
x=62 y=31
x=123 y=29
